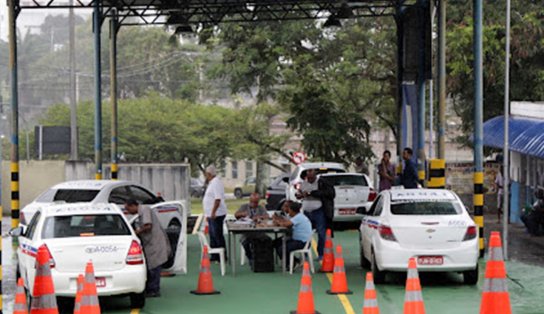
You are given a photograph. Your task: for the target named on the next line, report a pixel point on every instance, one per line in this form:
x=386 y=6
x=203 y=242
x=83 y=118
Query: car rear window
x=426 y=208
x=75 y=196
x=347 y=180
x=84 y=226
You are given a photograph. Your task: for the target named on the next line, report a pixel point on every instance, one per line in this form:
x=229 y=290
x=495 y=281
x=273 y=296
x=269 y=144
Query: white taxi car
x=75 y=234
x=432 y=226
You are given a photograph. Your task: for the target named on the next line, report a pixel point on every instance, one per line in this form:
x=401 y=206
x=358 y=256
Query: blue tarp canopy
x=526 y=135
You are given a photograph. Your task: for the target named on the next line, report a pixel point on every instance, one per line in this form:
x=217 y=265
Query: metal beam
x=114 y=28
x=97 y=24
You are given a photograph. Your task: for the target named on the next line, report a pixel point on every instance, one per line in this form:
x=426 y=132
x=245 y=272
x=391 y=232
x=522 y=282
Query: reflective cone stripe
x=327 y=263
x=413 y=299
x=20 y=306
x=495 y=296
x=306 y=303
x=339 y=283
x=89 y=299
x=370 y=305
x=205 y=280
x=79 y=294
x=44 y=300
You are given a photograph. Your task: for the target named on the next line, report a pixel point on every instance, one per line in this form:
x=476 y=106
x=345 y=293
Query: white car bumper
x=391 y=256
x=131 y=279
x=354 y=217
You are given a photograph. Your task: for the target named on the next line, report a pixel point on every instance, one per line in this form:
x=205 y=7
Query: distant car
x=275 y=193
x=354 y=195
x=299 y=173
x=197 y=188
x=432 y=226
x=246 y=189
x=74 y=234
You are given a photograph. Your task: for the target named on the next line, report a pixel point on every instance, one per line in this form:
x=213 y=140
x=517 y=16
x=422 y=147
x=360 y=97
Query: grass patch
x=232 y=205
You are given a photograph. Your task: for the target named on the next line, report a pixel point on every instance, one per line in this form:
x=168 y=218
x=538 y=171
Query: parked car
x=354 y=195
x=74 y=234
x=299 y=173
x=431 y=225
x=275 y=193
x=197 y=188
x=246 y=189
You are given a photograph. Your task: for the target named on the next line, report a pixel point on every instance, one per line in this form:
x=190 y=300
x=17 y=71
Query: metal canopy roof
x=183 y=12
x=526 y=135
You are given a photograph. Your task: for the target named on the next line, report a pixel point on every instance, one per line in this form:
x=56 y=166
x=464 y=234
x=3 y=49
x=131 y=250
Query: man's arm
x=143 y=229
x=240 y=213
x=282 y=221
x=216 y=204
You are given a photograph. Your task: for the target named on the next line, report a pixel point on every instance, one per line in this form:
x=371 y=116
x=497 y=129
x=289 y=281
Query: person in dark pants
x=154 y=241
x=408 y=177
x=215 y=210
x=301 y=230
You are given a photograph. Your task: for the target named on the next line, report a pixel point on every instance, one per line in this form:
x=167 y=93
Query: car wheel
x=238 y=193
x=379 y=276
x=137 y=300
x=470 y=277
x=363 y=261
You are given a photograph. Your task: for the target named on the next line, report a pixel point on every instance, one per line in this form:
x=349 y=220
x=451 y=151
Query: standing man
x=408 y=178
x=386 y=171
x=155 y=244
x=251 y=210
x=318 y=205
x=215 y=209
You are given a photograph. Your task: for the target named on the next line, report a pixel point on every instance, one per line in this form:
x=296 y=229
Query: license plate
x=430 y=260
x=100 y=282
x=346 y=211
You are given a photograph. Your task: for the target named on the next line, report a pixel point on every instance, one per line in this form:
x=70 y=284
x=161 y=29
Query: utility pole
x=441 y=56
x=506 y=150
x=73 y=103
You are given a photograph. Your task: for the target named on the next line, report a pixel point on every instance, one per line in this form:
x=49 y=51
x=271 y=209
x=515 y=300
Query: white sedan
x=432 y=226
x=77 y=233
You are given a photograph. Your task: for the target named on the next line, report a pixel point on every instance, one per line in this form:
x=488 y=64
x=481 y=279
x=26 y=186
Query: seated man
x=251 y=210
x=301 y=230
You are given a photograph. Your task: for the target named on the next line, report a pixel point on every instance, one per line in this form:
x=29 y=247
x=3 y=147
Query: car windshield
x=84 y=226
x=74 y=196
x=347 y=180
x=426 y=208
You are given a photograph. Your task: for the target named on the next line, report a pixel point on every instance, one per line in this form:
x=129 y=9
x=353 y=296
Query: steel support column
x=421 y=94
x=73 y=104
x=399 y=20
x=97 y=23
x=114 y=28
x=478 y=123
x=506 y=150
x=441 y=58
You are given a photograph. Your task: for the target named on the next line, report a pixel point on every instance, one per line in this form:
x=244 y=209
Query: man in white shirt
x=215 y=209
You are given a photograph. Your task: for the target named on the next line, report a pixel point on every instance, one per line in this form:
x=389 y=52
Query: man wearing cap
x=154 y=241
x=215 y=209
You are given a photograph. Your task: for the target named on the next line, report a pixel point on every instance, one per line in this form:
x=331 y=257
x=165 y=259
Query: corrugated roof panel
x=526 y=135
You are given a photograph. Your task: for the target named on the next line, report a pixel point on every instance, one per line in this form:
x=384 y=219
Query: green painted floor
x=265 y=293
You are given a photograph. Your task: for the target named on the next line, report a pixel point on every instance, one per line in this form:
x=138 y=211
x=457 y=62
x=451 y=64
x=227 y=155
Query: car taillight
x=135 y=254
x=472 y=232
x=51 y=260
x=372 y=195
x=386 y=233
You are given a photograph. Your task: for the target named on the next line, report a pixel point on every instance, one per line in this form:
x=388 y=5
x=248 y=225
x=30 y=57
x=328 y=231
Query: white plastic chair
x=220 y=251
x=306 y=251
x=242 y=255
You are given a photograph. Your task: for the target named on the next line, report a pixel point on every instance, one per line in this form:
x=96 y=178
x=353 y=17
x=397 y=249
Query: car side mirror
x=17 y=232
x=286 y=180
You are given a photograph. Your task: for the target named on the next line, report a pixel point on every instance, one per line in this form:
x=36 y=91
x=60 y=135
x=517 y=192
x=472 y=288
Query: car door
x=27 y=250
x=365 y=229
x=119 y=195
x=373 y=220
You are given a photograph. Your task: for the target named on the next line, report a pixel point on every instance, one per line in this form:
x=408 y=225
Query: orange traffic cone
x=327 y=263
x=495 y=297
x=20 y=306
x=205 y=280
x=370 y=305
x=44 y=300
x=413 y=299
x=206 y=228
x=89 y=298
x=339 y=281
x=79 y=294
x=305 y=296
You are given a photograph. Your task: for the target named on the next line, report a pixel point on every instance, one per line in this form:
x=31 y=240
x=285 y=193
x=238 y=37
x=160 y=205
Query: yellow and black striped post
x=14 y=194
x=479 y=208
x=437 y=174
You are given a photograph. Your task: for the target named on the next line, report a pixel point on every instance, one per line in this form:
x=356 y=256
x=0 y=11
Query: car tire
x=470 y=277
x=379 y=276
x=137 y=300
x=238 y=193
x=365 y=264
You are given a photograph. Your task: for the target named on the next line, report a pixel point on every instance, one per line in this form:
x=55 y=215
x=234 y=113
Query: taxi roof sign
x=421 y=194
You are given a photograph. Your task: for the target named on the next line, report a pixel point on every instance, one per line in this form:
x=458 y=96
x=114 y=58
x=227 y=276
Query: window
x=142 y=196
x=119 y=195
x=347 y=180
x=32 y=225
x=379 y=207
x=75 y=196
x=426 y=208
x=249 y=169
x=373 y=207
x=223 y=168
x=234 y=170
x=84 y=225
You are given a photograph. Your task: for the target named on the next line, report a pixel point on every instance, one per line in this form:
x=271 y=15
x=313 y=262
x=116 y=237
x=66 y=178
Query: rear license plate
x=100 y=282
x=430 y=260
x=346 y=211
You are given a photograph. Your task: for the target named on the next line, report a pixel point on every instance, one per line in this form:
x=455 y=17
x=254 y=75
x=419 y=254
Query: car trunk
x=428 y=232
x=107 y=253
x=350 y=195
